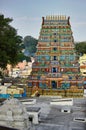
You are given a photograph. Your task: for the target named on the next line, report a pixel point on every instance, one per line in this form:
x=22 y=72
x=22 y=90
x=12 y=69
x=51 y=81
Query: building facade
x=56 y=66
x=82 y=62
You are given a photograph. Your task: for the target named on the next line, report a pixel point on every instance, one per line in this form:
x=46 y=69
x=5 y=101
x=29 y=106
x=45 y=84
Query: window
x=54 y=70
x=54 y=57
x=54 y=48
x=54 y=33
x=55 y=40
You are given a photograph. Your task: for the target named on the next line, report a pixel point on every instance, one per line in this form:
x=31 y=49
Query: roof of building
x=51 y=117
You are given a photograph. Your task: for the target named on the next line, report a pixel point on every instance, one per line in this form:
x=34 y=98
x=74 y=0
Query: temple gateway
x=56 y=70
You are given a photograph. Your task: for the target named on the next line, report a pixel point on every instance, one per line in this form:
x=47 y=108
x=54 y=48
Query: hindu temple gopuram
x=56 y=66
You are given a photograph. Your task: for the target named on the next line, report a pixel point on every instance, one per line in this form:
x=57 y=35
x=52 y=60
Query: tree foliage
x=9 y=42
x=81 y=47
x=22 y=57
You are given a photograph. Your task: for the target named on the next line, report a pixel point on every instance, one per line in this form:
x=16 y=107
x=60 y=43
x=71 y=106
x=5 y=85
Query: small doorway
x=31 y=119
x=54 y=84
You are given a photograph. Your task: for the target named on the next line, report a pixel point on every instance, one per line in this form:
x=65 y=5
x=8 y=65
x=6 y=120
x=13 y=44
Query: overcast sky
x=27 y=15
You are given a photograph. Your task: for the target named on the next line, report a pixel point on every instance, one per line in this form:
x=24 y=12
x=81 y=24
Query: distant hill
x=30 y=44
x=28 y=48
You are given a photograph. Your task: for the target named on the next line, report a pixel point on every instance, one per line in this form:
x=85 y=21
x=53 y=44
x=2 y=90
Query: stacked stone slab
x=13 y=114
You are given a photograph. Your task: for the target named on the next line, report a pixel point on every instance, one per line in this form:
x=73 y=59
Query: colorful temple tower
x=56 y=66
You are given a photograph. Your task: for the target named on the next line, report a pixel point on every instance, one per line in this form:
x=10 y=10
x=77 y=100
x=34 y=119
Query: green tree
x=81 y=47
x=10 y=43
x=22 y=57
